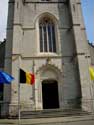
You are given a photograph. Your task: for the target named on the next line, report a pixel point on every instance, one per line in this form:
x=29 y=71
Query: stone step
x=51 y=113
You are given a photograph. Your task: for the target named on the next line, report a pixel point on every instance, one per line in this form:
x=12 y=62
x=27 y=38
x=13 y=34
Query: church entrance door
x=50 y=94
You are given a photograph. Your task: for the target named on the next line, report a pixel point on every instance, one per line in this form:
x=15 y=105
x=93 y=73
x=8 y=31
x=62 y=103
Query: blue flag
x=5 y=77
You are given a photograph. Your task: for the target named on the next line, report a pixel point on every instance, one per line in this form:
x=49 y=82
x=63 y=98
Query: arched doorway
x=50 y=97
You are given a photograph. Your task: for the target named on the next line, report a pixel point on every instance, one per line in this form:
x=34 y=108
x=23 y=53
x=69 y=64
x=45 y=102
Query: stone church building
x=48 y=38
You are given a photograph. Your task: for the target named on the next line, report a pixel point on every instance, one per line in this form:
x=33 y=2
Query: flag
x=91 y=70
x=5 y=77
x=26 y=77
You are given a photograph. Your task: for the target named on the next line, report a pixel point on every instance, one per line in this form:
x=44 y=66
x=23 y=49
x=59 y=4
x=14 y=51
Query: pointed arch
x=51 y=16
x=50 y=70
x=47 y=33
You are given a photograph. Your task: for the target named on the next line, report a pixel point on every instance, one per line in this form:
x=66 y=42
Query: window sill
x=48 y=54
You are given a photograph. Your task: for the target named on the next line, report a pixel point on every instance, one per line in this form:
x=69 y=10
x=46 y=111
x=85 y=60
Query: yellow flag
x=91 y=70
x=28 y=78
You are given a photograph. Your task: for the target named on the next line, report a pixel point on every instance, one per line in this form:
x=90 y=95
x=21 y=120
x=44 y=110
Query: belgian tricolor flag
x=26 y=77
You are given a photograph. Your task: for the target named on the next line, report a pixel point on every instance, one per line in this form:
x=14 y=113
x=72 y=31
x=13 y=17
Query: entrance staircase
x=50 y=113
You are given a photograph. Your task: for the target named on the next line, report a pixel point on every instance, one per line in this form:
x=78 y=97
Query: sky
x=88 y=13
x=3 y=18
x=87 y=9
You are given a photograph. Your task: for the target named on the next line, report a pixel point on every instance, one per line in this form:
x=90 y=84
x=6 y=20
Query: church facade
x=47 y=37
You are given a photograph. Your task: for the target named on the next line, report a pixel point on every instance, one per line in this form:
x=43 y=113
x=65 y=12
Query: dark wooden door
x=50 y=95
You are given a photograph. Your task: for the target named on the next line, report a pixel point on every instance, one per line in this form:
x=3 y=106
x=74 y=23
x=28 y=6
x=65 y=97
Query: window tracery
x=47 y=35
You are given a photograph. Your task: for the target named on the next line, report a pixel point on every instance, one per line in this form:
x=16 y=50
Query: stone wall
x=91 y=48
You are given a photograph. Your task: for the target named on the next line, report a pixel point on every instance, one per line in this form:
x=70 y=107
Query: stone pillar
x=82 y=54
x=8 y=59
x=14 y=39
x=13 y=107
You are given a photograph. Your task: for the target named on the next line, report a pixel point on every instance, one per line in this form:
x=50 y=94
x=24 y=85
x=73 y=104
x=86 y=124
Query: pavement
x=72 y=120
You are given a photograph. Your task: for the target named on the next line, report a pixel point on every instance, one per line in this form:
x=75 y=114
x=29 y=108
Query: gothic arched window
x=47 y=35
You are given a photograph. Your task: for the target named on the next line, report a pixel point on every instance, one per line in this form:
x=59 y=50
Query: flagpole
x=33 y=71
x=19 y=115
